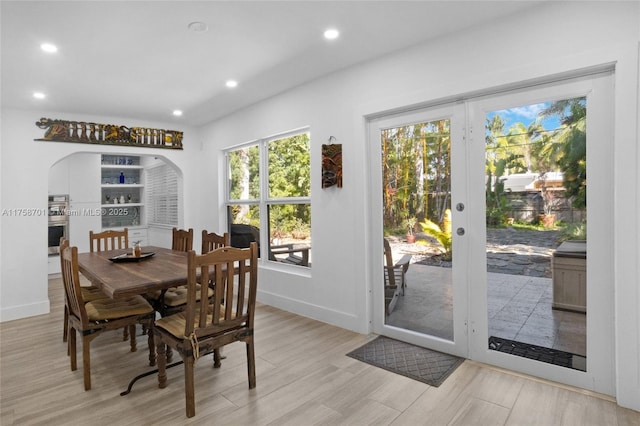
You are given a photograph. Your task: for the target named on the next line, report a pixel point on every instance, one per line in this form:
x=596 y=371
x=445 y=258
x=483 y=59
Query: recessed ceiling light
x=177 y=112
x=231 y=83
x=331 y=34
x=48 y=47
x=198 y=27
x=39 y=95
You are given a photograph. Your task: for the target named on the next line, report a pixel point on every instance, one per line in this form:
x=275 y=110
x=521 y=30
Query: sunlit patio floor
x=519 y=308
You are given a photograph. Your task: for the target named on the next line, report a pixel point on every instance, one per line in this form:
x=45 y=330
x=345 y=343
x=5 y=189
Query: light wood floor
x=303 y=378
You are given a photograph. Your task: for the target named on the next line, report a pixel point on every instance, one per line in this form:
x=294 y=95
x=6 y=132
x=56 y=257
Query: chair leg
x=217 y=357
x=251 y=364
x=162 y=363
x=86 y=361
x=71 y=348
x=65 y=331
x=132 y=337
x=169 y=354
x=189 y=387
x=151 y=343
x=125 y=334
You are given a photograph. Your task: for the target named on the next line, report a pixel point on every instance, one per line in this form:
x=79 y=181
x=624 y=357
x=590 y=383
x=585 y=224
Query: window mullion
x=264 y=194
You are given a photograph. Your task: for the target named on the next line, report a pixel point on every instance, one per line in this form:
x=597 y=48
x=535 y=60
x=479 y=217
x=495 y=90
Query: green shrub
x=574 y=231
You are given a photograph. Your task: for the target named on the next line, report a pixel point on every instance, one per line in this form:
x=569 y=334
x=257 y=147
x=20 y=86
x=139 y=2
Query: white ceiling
x=137 y=59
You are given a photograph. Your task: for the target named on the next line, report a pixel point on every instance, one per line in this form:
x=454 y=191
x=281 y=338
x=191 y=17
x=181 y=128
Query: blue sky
x=526 y=115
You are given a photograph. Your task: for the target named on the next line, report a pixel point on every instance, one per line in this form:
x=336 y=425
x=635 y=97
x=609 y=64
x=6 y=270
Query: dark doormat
x=402 y=358
x=539 y=353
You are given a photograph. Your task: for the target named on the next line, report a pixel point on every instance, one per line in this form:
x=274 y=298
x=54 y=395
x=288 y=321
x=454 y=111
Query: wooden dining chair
x=89 y=294
x=212 y=241
x=174 y=299
x=111 y=240
x=201 y=329
x=93 y=318
x=182 y=240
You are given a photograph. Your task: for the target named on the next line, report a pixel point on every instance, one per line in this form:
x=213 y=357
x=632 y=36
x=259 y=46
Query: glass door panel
x=536 y=163
x=539 y=306
x=416 y=175
x=423 y=295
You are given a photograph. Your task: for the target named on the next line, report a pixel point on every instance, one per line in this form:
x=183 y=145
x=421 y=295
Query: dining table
x=120 y=275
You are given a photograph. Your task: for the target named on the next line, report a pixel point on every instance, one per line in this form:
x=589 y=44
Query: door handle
x=460 y=231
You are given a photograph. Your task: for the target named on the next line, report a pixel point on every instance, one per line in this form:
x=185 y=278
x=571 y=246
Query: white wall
x=25 y=180
x=557 y=39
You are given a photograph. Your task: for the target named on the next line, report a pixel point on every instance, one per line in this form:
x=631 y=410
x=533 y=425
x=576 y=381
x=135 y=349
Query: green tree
x=504 y=153
x=289 y=176
x=415 y=172
x=571 y=151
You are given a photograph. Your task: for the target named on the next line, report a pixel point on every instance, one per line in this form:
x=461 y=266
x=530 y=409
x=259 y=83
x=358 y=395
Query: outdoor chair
x=288 y=253
x=395 y=277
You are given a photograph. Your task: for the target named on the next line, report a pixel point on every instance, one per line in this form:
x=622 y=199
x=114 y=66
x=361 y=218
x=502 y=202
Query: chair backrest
x=182 y=240
x=71 y=280
x=235 y=273
x=388 y=255
x=64 y=243
x=109 y=240
x=212 y=241
x=389 y=275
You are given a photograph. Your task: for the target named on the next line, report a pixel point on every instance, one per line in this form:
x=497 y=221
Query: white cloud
x=527 y=111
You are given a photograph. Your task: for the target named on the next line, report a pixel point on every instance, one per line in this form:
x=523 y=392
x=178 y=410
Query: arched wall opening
x=86 y=180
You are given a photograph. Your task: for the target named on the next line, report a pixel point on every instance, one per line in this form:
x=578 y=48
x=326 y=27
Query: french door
x=506 y=295
x=428 y=144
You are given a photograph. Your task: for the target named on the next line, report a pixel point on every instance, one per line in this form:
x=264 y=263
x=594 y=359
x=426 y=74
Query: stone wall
x=526 y=206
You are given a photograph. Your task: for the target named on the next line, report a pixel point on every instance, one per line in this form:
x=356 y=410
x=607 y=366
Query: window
x=162 y=195
x=269 y=197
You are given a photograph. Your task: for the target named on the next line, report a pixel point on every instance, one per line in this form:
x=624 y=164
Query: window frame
x=265 y=200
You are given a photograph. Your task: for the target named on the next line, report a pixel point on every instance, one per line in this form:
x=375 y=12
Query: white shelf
x=121 y=166
x=122 y=205
x=121 y=215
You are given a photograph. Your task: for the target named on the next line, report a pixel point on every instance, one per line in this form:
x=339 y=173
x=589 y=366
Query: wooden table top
x=167 y=268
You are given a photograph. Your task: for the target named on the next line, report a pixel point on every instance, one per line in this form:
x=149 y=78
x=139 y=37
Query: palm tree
x=571 y=148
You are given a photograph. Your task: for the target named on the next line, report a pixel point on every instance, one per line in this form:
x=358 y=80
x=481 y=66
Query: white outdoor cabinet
x=569 y=266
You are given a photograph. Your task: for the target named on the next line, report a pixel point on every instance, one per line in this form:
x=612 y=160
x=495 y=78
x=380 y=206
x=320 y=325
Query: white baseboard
x=319 y=313
x=24 y=311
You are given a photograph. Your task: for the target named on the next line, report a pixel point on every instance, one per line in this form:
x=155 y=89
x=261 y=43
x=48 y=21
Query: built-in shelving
x=122 y=191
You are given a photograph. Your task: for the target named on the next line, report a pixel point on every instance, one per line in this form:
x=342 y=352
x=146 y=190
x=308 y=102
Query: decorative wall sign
x=331 y=164
x=108 y=134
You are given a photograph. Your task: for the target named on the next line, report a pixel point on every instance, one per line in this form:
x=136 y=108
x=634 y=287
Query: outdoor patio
x=519 y=305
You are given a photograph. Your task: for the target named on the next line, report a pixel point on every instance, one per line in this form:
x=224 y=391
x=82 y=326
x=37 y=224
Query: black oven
x=58 y=221
x=55 y=233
